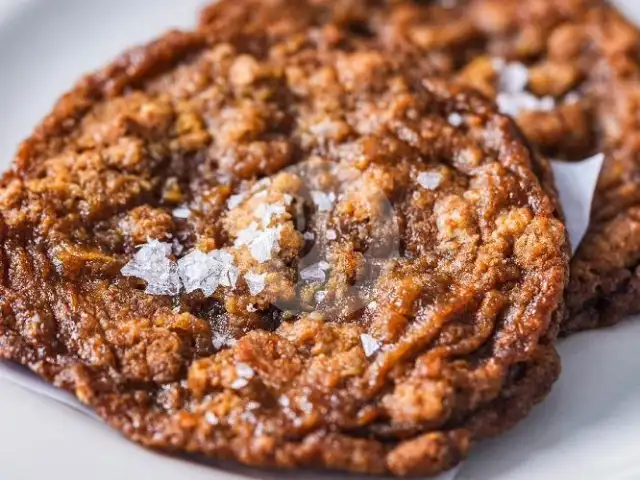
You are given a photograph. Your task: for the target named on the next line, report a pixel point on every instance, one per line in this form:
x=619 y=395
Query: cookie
x=568 y=72
x=277 y=250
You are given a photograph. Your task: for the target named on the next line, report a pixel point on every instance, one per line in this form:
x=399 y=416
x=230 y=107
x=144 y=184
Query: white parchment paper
x=576 y=184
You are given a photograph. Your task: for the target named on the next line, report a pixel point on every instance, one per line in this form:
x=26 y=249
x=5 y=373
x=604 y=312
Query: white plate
x=588 y=428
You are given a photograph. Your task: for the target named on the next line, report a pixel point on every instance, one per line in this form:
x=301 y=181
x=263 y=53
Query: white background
x=588 y=428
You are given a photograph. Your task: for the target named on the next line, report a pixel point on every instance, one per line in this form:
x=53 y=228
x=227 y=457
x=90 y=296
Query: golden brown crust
x=454 y=341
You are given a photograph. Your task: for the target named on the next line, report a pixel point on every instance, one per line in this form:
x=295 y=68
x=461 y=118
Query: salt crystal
x=455 y=119
x=246 y=236
x=514 y=103
x=315 y=272
x=255 y=282
x=429 y=180
x=245 y=371
x=332 y=235
x=323 y=201
x=211 y=418
x=251 y=308
x=320 y=296
x=239 y=383
x=262 y=244
x=305 y=405
x=266 y=212
x=182 y=212
x=221 y=335
x=199 y=273
x=229 y=273
x=513 y=77
x=369 y=344
x=546 y=104
x=373 y=305
x=235 y=200
x=205 y=272
x=151 y=264
x=265 y=245
x=309 y=235
x=288 y=199
x=513 y=98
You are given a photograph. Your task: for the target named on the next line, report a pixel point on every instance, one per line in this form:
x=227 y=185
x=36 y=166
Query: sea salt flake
x=211 y=418
x=246 y=236
x=151 y=264
x=261 y=243
x=255 y=282
x=265 y=245
x=221 y=336
x=199 y=272
x=455 y=119
x=332 y=235
x=369 y=344
x=320 y=296
x=315 y=272
x=430 y=180
x=513 y=104
x=309 y=235
x=244 y=370
x=305 y=405
x=206 y=272
x=251 y=308
x=239 y=383
x=513 y=77
x=235 y=200
x=229 y=273
x=266 y=212
x=182 y=212
x=323 y=201
x=546 y=104
x=513 y=98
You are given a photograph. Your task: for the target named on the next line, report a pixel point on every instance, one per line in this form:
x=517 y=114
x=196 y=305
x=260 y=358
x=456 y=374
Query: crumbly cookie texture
x=284 y=249
x=567 y=70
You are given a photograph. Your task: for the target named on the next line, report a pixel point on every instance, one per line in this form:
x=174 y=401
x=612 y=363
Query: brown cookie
x=284 y=249
x=568 y=70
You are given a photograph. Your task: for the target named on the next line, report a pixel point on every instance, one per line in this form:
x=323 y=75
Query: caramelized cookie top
x=567 y=70
x=284 y=249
